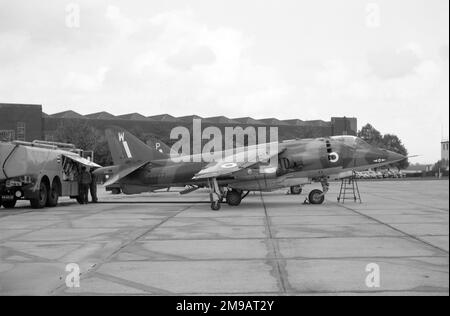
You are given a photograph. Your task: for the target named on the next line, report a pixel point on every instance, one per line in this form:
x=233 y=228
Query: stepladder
x=349 y=190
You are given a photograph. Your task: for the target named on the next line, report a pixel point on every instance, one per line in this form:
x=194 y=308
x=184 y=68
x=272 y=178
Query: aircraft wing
x=239 y=161
x=82 y=161
x=123 y=173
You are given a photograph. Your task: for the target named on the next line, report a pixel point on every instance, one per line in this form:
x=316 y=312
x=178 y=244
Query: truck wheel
x=41 y=200
x=53 y=196
x=9 y=203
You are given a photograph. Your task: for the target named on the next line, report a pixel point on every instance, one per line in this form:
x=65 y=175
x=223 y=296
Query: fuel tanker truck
x=40 y=172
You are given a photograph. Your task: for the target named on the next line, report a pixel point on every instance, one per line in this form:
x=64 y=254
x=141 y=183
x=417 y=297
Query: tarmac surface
x=271 y=244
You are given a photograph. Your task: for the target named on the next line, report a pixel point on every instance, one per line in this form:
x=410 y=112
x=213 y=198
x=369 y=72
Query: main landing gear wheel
x=316 y=197
x=234 y=197
x=296 y=190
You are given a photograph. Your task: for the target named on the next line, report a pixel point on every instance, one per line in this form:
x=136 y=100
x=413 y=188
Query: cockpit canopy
x=352 y=141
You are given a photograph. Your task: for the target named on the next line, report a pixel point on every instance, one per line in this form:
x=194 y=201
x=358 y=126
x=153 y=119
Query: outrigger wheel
x=316 y=197
x=215 y=194
x=215 y=206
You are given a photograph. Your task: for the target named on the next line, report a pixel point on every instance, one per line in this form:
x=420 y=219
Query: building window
x=7 y=135
x=20 y=131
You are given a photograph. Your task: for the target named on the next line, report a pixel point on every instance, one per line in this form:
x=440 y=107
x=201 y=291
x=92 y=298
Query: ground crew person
x=93 y=187
x=84 y=183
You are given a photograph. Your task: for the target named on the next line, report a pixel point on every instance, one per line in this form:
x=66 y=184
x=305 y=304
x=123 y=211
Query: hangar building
x=28 y=122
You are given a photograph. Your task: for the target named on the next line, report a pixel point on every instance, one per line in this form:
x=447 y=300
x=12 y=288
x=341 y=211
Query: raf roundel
x=333 y=157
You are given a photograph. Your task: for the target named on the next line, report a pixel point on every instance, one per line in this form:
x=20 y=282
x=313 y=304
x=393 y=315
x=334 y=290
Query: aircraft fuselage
x=299 y=162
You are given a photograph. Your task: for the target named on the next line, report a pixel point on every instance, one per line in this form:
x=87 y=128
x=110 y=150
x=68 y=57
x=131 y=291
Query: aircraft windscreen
x=353 y=141
x=346 y=139
x=362 y=144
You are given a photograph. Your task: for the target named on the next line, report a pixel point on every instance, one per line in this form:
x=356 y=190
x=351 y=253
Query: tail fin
x=161 y=146
x=126 y=148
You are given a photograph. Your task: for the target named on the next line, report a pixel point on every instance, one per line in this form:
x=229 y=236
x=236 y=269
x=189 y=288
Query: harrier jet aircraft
x=141 y=168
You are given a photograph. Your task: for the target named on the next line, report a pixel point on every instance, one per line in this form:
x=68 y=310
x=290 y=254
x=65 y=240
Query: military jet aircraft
x=141 y=168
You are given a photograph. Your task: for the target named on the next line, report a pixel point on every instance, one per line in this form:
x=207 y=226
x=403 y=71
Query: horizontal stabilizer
x=123 y=173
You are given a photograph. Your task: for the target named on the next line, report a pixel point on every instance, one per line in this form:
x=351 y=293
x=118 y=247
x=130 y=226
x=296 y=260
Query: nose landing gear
x=317 y=196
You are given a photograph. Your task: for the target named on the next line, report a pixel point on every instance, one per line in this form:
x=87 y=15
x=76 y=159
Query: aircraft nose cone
x=372 y=156
x=394 y=157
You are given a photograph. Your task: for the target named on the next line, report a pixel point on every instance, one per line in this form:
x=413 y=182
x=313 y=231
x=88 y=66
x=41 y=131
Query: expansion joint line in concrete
x=280 y=263
x=124 y=246
x=395 y=229
x=415 y=203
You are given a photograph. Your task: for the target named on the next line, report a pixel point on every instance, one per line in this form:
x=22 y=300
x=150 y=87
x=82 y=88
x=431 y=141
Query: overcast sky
x=384 y=62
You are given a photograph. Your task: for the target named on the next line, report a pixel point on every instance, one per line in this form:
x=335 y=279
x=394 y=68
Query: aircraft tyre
x=296 y=190
x=215 y=206
x=316 y=197
x=234 y=198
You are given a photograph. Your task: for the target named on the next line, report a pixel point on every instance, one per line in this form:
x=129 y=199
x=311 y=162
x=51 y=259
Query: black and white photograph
x=224 y=155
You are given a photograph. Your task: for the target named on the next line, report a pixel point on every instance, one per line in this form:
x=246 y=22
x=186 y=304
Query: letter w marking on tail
x=125 y=144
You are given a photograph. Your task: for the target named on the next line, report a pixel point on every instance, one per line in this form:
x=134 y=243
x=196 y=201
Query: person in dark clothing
x=93 y=187
x=84 y=182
